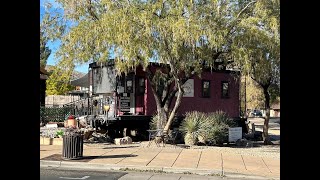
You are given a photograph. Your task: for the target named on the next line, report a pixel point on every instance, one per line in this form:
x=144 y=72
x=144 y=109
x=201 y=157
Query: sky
x=54 y=46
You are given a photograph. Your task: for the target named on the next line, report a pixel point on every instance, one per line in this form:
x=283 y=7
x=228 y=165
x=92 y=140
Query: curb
x=103 y=167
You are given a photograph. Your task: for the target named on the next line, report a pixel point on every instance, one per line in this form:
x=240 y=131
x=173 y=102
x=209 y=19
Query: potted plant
x=59 y=133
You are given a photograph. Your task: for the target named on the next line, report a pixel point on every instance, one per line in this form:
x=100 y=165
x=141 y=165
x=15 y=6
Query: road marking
x=84 y=177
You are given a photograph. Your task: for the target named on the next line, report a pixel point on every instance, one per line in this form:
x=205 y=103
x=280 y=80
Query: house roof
x=82 y=82
x=275 y=106
x=78 y=92
x=111 y=63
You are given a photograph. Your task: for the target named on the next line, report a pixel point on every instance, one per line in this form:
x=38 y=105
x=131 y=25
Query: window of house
x=225 y=89
x=141 y=86
x=205 y=88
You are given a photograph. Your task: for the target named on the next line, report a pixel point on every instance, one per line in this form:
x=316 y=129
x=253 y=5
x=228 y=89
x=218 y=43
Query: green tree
x=58 y=82
x=44 y=51
x=254 y=94
x=184 y=36
x=52 y=27
x=259 y=51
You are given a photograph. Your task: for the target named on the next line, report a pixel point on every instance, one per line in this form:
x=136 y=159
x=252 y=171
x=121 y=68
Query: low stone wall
x=50 y=141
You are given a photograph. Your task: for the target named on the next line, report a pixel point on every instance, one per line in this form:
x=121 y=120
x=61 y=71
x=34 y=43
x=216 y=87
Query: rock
x=244 y=143
x=83 y=121
x=102 y=131
x=121 y=141
x=201 y=140
x=117 y=141
x=128 y=139
x=87 y=134
x=91 y=139
x=241 y=142
x=51 y=126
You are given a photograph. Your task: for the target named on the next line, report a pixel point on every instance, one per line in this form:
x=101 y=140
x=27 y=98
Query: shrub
x=221 y=117
x=214 y=128
x=59 y=133
x=218 y=125
x=218 y=134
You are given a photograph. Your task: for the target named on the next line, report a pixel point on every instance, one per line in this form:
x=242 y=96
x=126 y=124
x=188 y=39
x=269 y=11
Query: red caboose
x=127 y=101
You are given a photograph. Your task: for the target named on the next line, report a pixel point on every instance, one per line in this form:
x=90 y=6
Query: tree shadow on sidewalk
x=58 y=157
x=118 y=147
x=110 y=156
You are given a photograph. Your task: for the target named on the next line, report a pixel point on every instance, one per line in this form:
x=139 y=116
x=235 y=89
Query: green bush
x=59 y=133
x=217 y=128
x=206 y=128
x=221 y=117
x=218 y=134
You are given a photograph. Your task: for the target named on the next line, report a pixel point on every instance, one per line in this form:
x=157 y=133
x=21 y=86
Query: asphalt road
x=273 y=122
x=60 y=174
x=65 y=174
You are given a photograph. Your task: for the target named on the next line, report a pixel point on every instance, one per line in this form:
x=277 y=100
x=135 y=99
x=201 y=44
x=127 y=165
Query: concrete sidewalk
x=164 y=159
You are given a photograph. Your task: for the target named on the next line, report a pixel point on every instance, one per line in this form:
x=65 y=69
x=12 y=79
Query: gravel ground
x=270 y=151
x=258 y=150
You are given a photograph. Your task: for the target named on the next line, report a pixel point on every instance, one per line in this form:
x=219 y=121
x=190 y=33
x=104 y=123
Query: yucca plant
x=218 y=134
x=153 y=122
x=204 y=131
x=222 y=117
x=217 y=131
x=191 y=127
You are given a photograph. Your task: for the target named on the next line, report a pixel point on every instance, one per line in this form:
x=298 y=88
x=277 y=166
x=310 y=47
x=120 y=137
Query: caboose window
x=205 y=88
x=225 y=89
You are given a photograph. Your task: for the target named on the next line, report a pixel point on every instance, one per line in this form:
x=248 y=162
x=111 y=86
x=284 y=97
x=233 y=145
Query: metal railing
x=78 y=108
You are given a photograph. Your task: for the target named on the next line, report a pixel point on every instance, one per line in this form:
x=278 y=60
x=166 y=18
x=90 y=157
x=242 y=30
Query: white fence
x=59 y=100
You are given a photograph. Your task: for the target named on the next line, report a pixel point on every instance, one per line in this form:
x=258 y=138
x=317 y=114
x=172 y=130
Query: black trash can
x=72 y=147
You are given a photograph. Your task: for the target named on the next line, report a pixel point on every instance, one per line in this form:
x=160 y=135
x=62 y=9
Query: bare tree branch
x=90 y=10
x=245 y=8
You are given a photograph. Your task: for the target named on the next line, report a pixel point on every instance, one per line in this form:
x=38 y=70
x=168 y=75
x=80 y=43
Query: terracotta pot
x=65 y=123
x=71 y=122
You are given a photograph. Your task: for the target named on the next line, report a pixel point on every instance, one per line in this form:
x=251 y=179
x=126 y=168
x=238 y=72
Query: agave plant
x=204 y=131
x=191 y=127
x=153 y=122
